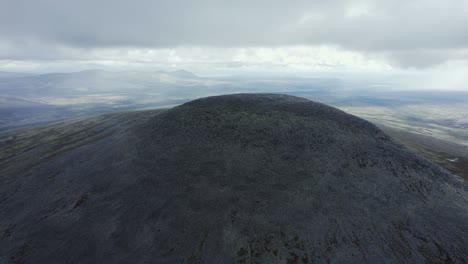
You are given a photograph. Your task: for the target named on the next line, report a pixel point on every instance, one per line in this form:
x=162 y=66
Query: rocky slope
x=249 y=178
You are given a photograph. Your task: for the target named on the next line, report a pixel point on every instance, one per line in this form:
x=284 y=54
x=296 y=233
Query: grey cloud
x=421 y=58
x=390 y=27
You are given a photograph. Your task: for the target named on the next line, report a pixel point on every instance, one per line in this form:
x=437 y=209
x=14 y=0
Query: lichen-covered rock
x=248 y=178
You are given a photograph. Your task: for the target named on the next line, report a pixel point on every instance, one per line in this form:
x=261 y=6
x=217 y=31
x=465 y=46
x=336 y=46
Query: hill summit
x=245 y=178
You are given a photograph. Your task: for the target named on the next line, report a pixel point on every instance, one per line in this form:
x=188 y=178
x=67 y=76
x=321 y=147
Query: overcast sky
x=243 y=36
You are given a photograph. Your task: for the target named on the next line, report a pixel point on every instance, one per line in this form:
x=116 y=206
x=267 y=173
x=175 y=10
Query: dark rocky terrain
x=250 y=178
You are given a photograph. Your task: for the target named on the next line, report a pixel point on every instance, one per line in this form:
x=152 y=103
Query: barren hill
x=247 y=178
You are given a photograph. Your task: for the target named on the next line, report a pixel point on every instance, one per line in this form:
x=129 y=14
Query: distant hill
x=15 y=102
x=246 y=178
x=183 y=74
x=13 y=74
x=31 y=99
x=91 y=81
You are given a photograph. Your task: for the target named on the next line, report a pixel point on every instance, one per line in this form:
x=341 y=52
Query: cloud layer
x=407 y=33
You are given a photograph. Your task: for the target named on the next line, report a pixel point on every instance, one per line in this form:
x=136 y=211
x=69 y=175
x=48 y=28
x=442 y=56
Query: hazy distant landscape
x=216 y=131
x=431 y=123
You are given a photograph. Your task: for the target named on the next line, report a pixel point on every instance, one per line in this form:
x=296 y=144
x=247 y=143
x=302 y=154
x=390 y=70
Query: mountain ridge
x=237 y=178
